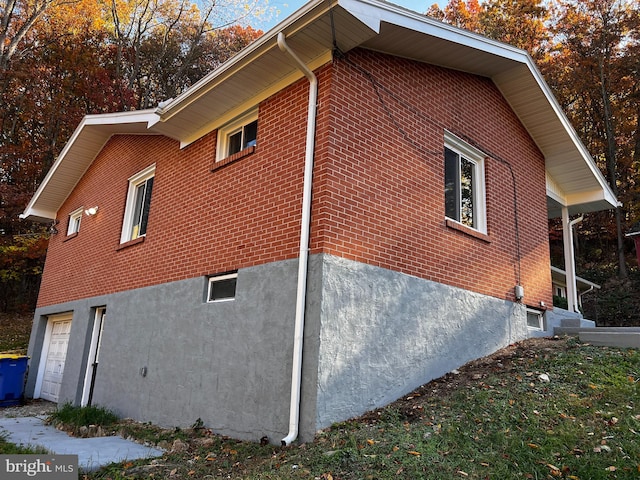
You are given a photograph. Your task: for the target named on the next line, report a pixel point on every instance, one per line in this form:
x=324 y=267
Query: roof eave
x=312 y=31
x=93 y=131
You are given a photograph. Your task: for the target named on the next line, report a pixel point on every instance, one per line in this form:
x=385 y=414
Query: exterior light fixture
x=91 y=211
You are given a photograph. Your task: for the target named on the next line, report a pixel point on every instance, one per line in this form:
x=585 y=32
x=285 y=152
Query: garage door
x=56 y=356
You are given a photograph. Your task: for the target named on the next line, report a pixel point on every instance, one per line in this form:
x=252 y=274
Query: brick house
x=353 y=205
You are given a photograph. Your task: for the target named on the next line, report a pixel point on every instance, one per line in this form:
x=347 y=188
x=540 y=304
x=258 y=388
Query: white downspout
x=569 y=259
x=296 y=371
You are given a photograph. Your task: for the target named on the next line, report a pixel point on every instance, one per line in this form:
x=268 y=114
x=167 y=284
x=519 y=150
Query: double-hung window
x=75 y=218
x=464 y=191
x=136 y=214
x=238 y=135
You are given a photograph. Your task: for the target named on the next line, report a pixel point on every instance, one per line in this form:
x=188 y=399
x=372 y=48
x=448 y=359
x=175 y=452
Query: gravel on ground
x=30 y=408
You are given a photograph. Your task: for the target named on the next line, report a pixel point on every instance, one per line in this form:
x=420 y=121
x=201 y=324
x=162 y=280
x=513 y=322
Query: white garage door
x=56 y=356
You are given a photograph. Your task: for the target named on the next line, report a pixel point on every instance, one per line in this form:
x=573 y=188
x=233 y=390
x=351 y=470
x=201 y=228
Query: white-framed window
x=75 y=218
x=136 y=214
x=222 y=288
x=464 y=186
x=535 y=319
x=237 y=135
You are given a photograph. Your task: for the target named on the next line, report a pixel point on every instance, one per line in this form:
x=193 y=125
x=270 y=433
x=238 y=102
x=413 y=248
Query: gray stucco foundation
x=385 y=333
x=170 y=358
x=371 y=335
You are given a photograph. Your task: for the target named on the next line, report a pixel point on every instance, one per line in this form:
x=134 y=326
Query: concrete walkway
x=93 y=453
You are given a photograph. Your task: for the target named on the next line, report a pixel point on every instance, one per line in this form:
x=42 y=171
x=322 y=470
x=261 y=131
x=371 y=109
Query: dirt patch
x=31 y=408
x=410 y=406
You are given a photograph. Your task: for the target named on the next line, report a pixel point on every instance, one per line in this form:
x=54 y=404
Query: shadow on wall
x=384 y=334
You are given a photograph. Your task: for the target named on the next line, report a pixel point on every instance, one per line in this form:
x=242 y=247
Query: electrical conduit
x=296 y=370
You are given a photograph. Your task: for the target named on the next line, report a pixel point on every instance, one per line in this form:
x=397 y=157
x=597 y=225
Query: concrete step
x=611 y=339
x=624 y=337
x=575 y=331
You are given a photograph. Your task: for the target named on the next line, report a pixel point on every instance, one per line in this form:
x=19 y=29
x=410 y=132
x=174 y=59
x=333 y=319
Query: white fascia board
x=30 y=208
x=586 y=197
x=38 y=215
x=372 y=13
x=146 y=117
x=563 y=278
x=253 y=51
x=607 y=193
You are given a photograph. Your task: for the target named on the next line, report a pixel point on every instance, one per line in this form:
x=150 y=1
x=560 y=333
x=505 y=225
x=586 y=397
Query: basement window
x=535 y=319
x=222 y=288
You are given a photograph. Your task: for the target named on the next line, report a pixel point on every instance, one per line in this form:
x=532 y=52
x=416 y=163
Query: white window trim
x=562 y=293
x=134 y=181
x=225 y=132
x=73 y=226
x=477 y=157
x=220 y=278
x=540 y=317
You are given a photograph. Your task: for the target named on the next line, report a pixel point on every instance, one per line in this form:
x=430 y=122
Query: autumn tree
x=163 y=47
x=63 y=59
x=592 y=69
x=17 y=18
x=521 y=23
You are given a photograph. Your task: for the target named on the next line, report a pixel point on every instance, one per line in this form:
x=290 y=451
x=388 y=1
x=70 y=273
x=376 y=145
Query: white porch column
x=569 y=260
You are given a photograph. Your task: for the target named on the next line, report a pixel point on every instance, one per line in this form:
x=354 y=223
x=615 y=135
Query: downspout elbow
x=305 y=227
x=576 y=220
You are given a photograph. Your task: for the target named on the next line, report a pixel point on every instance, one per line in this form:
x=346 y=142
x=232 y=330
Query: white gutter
x=296 y=370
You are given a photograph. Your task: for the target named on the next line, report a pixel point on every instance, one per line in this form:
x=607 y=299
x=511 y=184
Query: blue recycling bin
x=13 y=368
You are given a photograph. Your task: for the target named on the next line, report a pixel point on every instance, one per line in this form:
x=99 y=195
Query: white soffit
x=261 y=70
x=78 y=154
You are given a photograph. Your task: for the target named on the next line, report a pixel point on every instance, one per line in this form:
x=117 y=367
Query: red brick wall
x=376 y=198
x=381 y=180
x=201 y=221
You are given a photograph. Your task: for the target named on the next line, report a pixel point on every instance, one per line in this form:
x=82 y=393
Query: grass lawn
x=541 y=409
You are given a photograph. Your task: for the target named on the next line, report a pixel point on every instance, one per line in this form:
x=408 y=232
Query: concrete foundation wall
x=371 y=336
x=384 y=333
x=227 y=363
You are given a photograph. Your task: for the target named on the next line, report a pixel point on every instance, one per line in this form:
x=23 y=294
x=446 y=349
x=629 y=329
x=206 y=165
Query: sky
x=286 y=8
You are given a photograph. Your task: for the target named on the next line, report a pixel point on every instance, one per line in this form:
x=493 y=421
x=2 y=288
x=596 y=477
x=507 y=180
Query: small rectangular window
x=237 y=135
x=222 y=288
x=75 y=218
x=535 y=319
x=141 y=209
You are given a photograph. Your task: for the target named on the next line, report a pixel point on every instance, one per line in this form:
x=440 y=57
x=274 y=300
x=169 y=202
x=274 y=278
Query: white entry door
x=60 y=328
